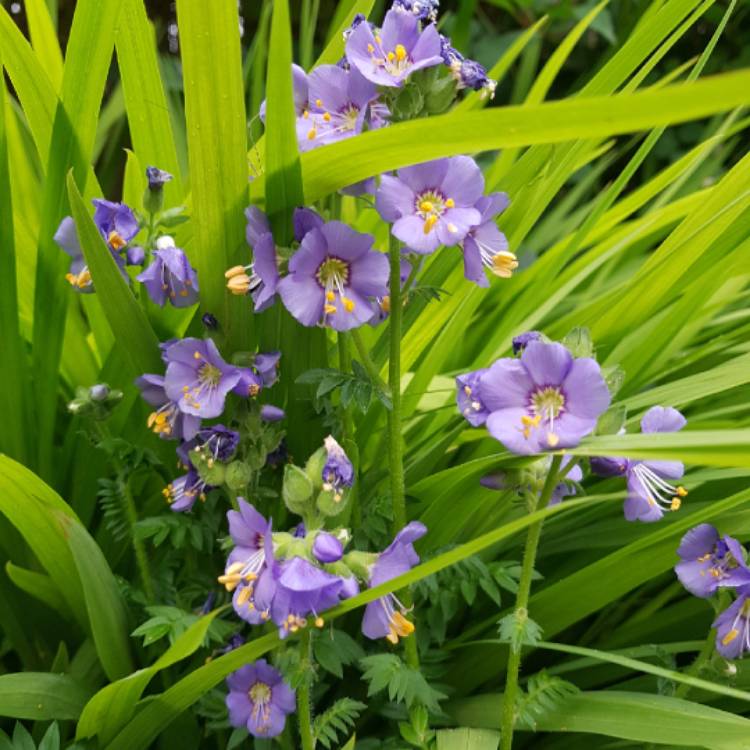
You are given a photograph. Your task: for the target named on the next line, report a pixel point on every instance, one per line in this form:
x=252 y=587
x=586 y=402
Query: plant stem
x=367 y=362
x=522 y=602
x=304 y=712
x=348 y=438
x=694 y=669
x=395 y=449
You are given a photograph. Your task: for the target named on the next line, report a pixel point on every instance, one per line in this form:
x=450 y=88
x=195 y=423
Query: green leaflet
x=125 y=316
x=41 y=696
x=632 y=716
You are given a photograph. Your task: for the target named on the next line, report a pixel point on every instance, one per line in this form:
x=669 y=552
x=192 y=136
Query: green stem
x=522 y=602
x=348 y=436
x=411 y=278
x=704 y=655
x=367 y=362
x=304 y=711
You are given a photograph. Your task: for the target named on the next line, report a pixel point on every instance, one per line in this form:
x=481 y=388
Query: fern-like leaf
x=543 y=693
x=338 y=720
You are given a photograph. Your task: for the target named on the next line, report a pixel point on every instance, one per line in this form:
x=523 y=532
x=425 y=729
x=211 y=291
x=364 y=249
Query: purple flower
x=609 y=466
x=733 y=627
x=157 y=178
x=304 y=219
x=79 y=276
x=300 y=93
x=467 y=398
x=709 y=561
x=197 y=378
x=259 y=699
x=135 y=256
x=485 y=246
x=327 y=548
x=422 y=9
x=384 y=303
x=384 y=618
x=267 y=366
x=302 y=589
x=338 y=471
x=649 y=494
x=566 y=488
x=432 y=203
x=219 y=442
x=167 y=421
x=333 y=276
x=116 y=222
x=170 y=276
x=390 y=57
x=182 y=493
x=261 y=277
x=521 y=341
x=338 y=106
x=270 y=413
x=543 y=401
x=468 y=74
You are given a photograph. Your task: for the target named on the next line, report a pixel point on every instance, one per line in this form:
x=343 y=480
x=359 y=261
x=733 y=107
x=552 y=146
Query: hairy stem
x=348 y=438
x=367 y=362
x=704 y=655
x=522 y=601
x=304 y=711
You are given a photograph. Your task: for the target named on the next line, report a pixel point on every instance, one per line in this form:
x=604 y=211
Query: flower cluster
x=710 y=562
x=194 y=388
x=168 y=278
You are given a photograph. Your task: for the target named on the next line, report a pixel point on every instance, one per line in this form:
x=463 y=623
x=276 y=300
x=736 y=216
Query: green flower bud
x=579 y=343
x=359 y=563
x=314 y=467
x=330 y=503
x=237 y=476
x=297 y=490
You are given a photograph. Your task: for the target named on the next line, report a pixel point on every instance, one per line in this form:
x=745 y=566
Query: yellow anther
x=183 y=293
x=329 y=309
x=327 y=116
x=429 y=223
x=729 y=637
x=185 y=388
x=318 y=102
x=467 y=391
x=239 y=284
x=450 y=203
x=676 y=504
x=253 y=390
x=503 y=264
x=348 y=304
x=311 y=134
x=681 y=491
x=370 y=48
x=305 y=114
x=391 y=56
x=452 y=228
x=385 y=304
x=330 y=295
x=319 y=622
x=531 y=421
x=427 y=207
x=400 y=52
x=552 y=439
x=378 y=39
x=196 y=355
x=234 y=271
x=244 y=595
x=116 y=242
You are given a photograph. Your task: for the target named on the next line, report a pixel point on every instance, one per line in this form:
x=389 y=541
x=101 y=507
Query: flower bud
x=237 y=476
x=327 y=548
x=297 y=489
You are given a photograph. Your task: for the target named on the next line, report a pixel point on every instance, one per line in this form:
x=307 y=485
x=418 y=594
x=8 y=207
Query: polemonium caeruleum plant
x=386 y=225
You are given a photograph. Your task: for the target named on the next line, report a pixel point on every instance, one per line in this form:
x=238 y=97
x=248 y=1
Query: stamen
x=429 y=223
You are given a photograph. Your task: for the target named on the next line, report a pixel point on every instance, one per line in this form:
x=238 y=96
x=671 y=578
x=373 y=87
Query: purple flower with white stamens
x=338 y=106
x=467 y=398
x=259 y=700
x=388 y=58
x=116 y=222
x=157 y=178
x=304 y=219
x=545 y=400
x=485 y=246
x=521 y=341
x=327 y=548
x=733 y=627
x=167 y=421
x=432 y=203
x=424 y=10
x=197 y=377
x=384 y=618
x=333 y=277
x=709 y=561
x=218 y=442
x=302 y=589
x=170 y=276
x=79 y=276
x=182 y=493
x=338 y=471
x=649 y=492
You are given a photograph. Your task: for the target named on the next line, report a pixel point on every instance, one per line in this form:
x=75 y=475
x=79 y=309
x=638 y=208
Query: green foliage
x=543 y=694
x=337 y=721
x=387 y=672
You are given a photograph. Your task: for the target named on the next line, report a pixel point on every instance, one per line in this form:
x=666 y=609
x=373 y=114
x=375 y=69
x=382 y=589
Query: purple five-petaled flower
x=167 y=421
x=338 y=472
x=709 y=561
x=116 y=222
x=259 y=700
x=182 y=492
x=432 y=203
x=389 y=57
x=333 y=277
x=467 y=398
x=338 y=106
x=733 y=627
x=385 y=617
x=649 y=492
x=170 y=276
x=545 y=400
x=197 y=377
x=485 y=246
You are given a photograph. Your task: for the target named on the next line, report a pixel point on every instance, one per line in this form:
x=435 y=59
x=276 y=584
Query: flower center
x=548 y=402
x=395 y=63
x=209 y=374
x=333 y=275
x=260 y=693
x=430 y=206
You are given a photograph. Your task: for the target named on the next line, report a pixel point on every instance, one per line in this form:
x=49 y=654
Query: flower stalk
x=304 y=712
x=522 y=601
